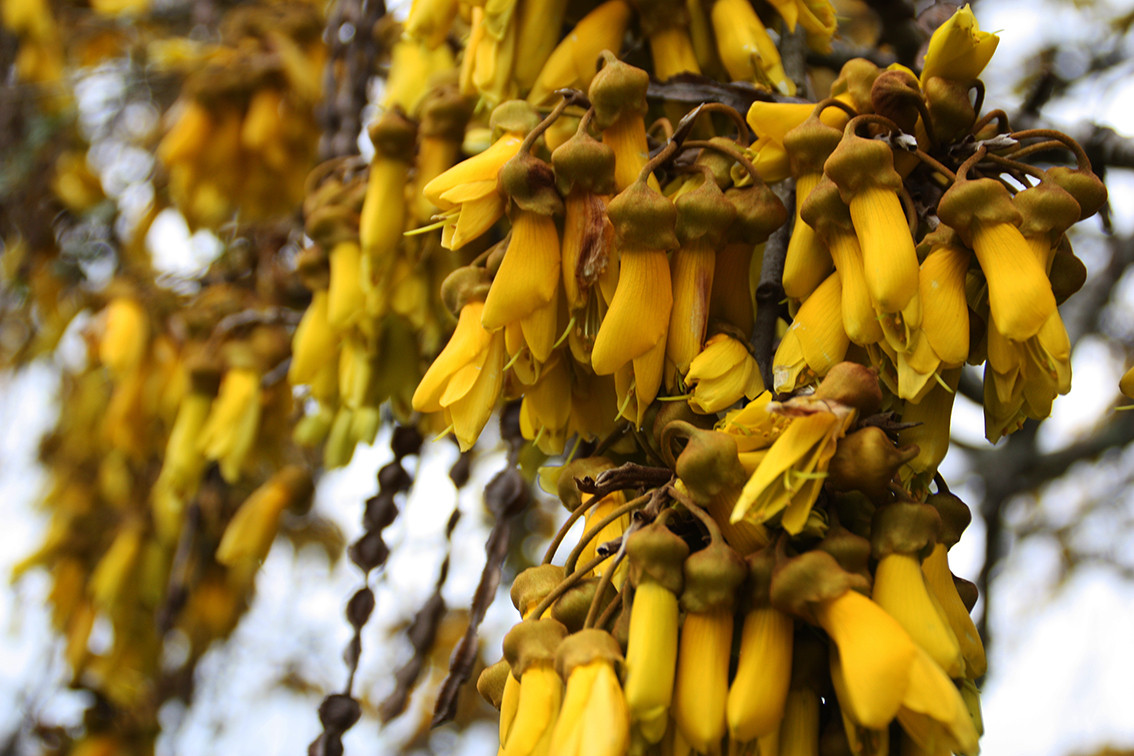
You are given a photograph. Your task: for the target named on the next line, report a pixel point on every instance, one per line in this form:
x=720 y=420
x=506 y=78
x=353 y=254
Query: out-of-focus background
x=1053 y=505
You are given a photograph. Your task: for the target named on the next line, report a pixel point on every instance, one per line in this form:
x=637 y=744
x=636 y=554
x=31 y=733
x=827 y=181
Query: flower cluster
x=764 y=315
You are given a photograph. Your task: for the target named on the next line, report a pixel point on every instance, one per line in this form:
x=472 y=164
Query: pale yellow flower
x=468 y=193
x=721 y=374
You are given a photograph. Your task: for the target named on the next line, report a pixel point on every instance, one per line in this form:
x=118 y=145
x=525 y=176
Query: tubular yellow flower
x=639 y=313
x=468 y=193
x=874 y=657
x=691 y=272
x=530 y=650
x=807 y=261
x=413 y=62
x=746 y=50
x=815 y=341
x=315 y=343
x=651 y=657
x=888 y=254
x=816 y=16
x=721 y=374
x=931 y=432
x=900 y=589
x=466 y=378
x=528 y=277
x=572 y=63
x=958 y=50
x=594 y=720
x=772 y=121
x=346 y=300
x=544 y=413
x=429 y=21
x=1126 y=384
x=758 y=694
x=1019 y=293
x=944 y=311
x=799 y=732
x=251 y=531
x=940 y=581
x=701 y=687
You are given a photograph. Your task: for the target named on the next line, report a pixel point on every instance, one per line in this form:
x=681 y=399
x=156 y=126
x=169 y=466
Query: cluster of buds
x=853 y=632
x=243 y=133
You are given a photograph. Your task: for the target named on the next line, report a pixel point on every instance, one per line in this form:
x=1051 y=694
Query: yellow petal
x=638 y=315
x=944 y=312
x=1019 y=292
x=888 y=254
x=759 y=691
x=959 y=50
x=874 y=654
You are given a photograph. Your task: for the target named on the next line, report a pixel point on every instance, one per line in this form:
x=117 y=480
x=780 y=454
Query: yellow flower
x=126 y=335
x=817 y=17
x=759 y=692
x=528 y=277
x=721 y=374
x=249 y=535
x=789 y=478
x=530 y=650
x=230 y=431
x=572 y=63
x=940 y=581
x=700 y=693
x=958 y=50
x=746 y=50
x=466 y=378
x=651 y=657
x=879 y=673
x=900 y=589
x=815 y=341
x=546 y=408
x=594 y=720
x=468 y=193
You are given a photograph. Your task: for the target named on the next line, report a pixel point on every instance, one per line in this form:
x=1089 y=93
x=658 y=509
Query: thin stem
x=1031 y=149
x=1015 y=165
x=833 y=102
x=976 y=157
x=1001 y=118
x=742 y=132
x=935 y=164
x=608 y=613
x=545 y=124
x=1080 y=154
x=578 y=512
x=604 y=583
x=730 y=152
x=597 y=528
x=567 y=584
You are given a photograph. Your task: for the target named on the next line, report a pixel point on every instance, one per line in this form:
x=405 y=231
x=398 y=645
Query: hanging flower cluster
x=622 y=280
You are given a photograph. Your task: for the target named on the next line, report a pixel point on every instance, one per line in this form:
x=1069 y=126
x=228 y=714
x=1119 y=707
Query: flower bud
x=895 y=94
x=464 y=285
x=1067 y=274
x=859 y=163
x=759 y=212
x=530 y=183
x=712 y=577
x=512 y=117
x=533 y=584
x=643 y=218
x=1048 y=211
x=950 y=108
x=1087 y=188
x=585 y=163
x=617 y=87
x=394 y=136
x=584 y=647
x=490 y=683
x=703 y=212
x=657 y=554
x=803 y=581
x=867 y=461
x=904 y=528
x=531 y=642
x=444 y=114
x=854 y=83
x=572 y=607
x=809 y=145
x=954 y=513
x=852 y=385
